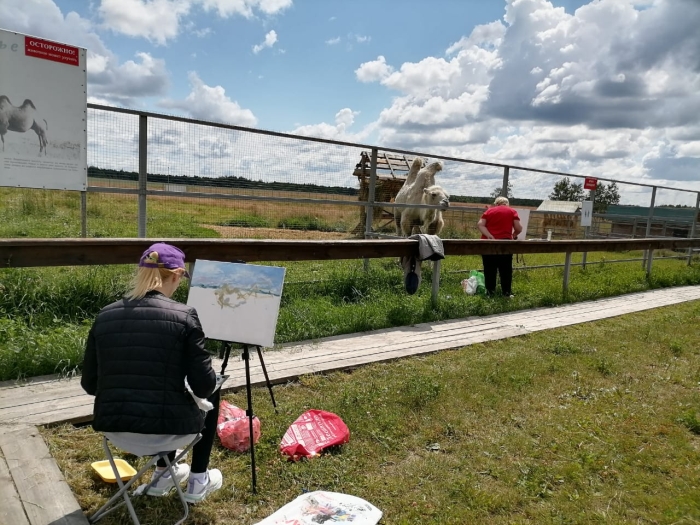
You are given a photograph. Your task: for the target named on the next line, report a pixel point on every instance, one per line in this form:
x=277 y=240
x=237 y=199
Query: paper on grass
x=325 y=507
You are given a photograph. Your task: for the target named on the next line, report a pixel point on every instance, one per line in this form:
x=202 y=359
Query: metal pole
x=587 y=229
x=567 y=272
x=143 y=173
x=650 y=258
x=83 y=214
x=369 y=214
x=504 y=188
x=649 y=218
x=436 y=282
x=692 y=227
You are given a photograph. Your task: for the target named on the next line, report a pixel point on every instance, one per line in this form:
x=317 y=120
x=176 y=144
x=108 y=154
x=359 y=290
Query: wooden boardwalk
x=33 y=492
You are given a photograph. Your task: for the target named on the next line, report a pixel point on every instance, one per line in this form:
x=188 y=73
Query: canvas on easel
x=237 y=302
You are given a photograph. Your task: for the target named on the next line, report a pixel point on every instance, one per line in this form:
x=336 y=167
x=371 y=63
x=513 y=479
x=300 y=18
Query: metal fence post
x=649 y=218
x=436 y=282
x=83 y=214
x=143 y=173
x=369 y=208
x=692 y=227
x=650 y=258
x=504 y=188
x=567 y=272
x=587 y=229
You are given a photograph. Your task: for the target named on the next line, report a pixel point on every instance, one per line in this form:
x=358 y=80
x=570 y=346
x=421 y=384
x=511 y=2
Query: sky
x=607 y=88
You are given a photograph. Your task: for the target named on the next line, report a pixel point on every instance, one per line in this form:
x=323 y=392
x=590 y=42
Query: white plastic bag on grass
x=325 y=507
x=470 y=285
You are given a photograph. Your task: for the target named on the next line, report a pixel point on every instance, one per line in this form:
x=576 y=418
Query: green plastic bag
x=480 y=281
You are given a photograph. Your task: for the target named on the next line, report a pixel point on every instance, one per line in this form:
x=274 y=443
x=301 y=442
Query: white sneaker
x=165 y=484
x=197 y=491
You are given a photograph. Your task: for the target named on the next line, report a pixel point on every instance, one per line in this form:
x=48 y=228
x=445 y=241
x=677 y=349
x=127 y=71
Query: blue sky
x=602 y=87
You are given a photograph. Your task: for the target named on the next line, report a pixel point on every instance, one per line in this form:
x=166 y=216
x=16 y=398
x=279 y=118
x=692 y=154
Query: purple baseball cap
x=162 y=255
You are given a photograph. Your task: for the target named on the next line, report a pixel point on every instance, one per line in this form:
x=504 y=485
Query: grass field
x=45 y=313
x=595 y=423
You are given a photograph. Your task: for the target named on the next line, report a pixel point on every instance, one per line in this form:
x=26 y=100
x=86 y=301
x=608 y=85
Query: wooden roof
x=389 y=166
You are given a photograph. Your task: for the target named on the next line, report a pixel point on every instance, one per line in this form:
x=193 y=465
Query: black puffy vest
x=137 y=357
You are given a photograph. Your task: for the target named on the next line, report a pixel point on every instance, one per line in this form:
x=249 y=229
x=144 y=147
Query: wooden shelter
x=391 y=174
x=562 y=217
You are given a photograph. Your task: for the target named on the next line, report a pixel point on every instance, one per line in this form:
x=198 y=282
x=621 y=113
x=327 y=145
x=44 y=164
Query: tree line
x=221 y=182
x=566 y=190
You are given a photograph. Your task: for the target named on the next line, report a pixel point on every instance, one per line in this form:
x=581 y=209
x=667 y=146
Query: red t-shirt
x=499 y=221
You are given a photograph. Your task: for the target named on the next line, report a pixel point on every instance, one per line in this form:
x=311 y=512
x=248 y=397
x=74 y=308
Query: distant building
x=562 y=217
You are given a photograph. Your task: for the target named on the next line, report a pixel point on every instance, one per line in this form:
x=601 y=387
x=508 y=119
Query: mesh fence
x=215 y=181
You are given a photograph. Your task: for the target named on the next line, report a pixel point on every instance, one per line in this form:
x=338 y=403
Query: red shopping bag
x=312 y=432
x=233 y=428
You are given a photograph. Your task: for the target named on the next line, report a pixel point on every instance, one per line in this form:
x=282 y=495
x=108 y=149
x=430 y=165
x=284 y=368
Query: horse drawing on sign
x=21 y=119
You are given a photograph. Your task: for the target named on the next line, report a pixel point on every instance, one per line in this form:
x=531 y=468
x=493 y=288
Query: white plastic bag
x=321 y=506
x=470 y=285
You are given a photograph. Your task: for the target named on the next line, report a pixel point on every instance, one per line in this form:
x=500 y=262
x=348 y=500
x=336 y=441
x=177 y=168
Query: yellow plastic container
x=104 y=470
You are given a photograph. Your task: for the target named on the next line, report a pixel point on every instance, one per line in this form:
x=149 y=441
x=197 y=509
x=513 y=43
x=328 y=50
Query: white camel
x=22 y=119
x=420 y=188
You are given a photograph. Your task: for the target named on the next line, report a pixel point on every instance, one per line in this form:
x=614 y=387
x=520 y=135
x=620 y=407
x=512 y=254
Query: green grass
x=594 y=423
x=57 y=305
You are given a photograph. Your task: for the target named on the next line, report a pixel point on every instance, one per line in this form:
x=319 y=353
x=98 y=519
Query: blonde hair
x=148 y=279
x=501 y=201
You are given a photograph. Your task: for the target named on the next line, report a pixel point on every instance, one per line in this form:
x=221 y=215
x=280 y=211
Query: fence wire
x=216 y=181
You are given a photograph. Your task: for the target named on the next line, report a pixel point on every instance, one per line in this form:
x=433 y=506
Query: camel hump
x=29 y=103
x=4 y=98
x=435 y=167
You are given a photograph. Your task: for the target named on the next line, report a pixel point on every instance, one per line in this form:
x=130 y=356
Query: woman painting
x=139 y=352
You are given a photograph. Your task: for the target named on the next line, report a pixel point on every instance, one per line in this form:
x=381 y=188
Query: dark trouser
x=202 y=449
x=501 y=264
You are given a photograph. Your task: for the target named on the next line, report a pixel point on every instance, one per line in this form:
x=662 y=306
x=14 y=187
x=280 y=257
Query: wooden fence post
x=83 y=214
x=436 y=281
x=567 y=272
x=369 y=208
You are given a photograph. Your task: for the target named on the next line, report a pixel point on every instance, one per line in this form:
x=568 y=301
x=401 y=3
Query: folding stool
x=123 y=492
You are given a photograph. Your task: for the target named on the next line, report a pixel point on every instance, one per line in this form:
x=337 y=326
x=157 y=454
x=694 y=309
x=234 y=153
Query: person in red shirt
x=499 y=222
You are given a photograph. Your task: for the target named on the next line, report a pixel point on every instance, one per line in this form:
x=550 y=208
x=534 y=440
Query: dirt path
x=237 y=232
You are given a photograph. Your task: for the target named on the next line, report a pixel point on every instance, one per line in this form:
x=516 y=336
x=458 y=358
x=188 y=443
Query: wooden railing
x=17 y=253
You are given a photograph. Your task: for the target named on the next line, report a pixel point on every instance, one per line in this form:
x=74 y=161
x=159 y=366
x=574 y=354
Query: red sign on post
x=36 y=47
x=590 y=183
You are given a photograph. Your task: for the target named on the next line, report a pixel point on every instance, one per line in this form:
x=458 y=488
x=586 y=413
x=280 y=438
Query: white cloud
x=270 y=39
x=361 y=39
x=333 y=41
x=593 y=92
x=156 y=20
x=211 y=103
x=131 y=80
x=162 y=20
x=109 y=80
x=246 y=8
x=374 y=70
x=344 y=120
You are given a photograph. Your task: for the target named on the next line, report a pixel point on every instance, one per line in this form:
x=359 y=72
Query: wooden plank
x=76 y=252
x=45 y=403
x=11 y=509
x=44 y=493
